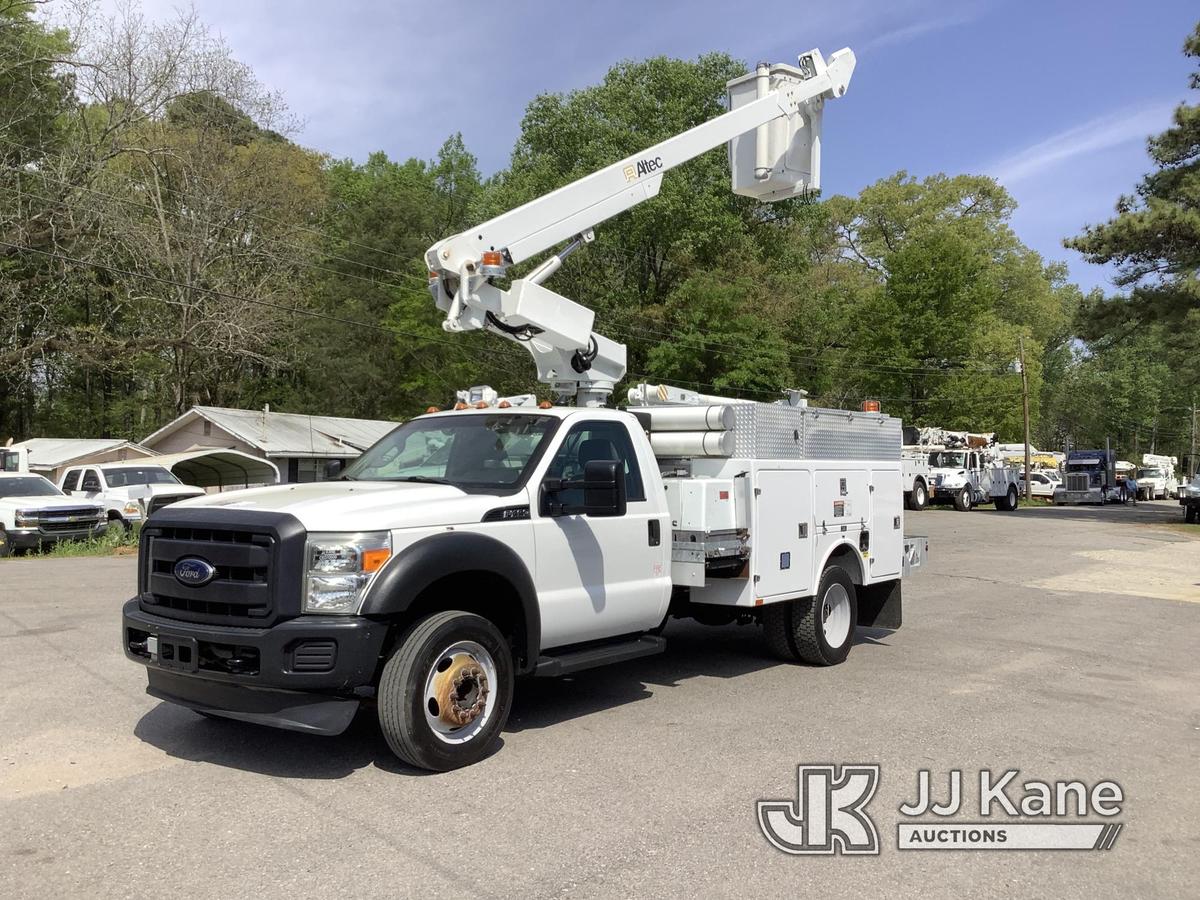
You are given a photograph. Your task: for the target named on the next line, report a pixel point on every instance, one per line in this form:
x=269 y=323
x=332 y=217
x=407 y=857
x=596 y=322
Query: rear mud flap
x=879 y=605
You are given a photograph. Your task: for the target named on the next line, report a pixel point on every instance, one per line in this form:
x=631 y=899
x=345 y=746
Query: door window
x=589 y=441
x=91 y=480
x=72 y=481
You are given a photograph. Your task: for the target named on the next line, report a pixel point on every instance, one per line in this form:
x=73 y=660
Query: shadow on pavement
x=692 y=650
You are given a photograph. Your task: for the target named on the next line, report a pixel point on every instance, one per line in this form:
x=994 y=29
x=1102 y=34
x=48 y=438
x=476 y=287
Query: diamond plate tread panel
x=767 y=431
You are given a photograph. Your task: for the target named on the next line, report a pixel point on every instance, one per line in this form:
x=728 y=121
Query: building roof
x=51 y=453
x=285 y=434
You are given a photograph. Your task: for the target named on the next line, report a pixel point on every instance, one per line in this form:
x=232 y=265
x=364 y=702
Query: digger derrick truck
x=508 y=537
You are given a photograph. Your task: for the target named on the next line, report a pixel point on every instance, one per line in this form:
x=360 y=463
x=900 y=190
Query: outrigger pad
x=879 y=605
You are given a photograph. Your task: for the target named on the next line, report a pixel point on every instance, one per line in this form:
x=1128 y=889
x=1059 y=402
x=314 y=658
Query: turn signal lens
x=491 y=258
x=433 y=276
x=373 y=560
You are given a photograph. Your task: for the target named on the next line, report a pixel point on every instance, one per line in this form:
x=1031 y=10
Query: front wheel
x=6 y=547
x=446 y=691
x=1190 y=514
x=918 y=496
x=962 y=500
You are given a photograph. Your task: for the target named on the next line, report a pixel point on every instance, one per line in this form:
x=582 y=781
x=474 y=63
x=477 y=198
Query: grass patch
x=111 y=543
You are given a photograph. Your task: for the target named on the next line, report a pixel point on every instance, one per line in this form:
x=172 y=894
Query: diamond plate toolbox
x=768 y=431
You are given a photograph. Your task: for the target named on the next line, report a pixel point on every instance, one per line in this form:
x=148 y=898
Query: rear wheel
x=818 y=630
x=962 y=500
x=446 y=691
x=1010 y=501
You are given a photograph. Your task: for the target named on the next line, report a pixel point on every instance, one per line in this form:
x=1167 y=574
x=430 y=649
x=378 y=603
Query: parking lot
x=1058 y=641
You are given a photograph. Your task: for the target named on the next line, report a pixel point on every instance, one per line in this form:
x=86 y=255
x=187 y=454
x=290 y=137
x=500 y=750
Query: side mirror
x=334 y=467
x=604 y=488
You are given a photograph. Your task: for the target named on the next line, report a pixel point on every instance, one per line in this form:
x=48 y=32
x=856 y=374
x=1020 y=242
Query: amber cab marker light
x=870 y=406
x=503 y=404
x=460 y=405
x=545 y=404
x=432 y=409
x=491 y=258
x=481 y=404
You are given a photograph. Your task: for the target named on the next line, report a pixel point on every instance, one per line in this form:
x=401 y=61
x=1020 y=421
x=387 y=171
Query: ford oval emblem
x=194 y=572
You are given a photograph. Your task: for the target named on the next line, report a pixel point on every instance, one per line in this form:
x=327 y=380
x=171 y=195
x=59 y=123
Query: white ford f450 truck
x=508 y=537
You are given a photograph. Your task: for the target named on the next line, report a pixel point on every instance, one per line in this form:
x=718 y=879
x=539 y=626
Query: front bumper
x=34 y=538
x=304 y=674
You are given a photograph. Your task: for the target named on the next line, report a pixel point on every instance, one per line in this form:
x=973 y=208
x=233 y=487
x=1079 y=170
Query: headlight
x=26 y=518
x=340 y=567
x=131 y=509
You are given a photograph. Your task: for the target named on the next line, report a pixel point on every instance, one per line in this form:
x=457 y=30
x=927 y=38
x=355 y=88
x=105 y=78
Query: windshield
x=1149 y=473
x=125 y=476
x=471 y=451
x=28 y=486
x=948 y=459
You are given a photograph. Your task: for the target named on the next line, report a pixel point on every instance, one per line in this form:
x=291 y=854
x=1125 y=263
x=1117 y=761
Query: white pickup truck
x=34 y=513
x=126 y=489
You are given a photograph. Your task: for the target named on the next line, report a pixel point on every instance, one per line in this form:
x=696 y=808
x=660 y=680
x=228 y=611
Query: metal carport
x=217 y=467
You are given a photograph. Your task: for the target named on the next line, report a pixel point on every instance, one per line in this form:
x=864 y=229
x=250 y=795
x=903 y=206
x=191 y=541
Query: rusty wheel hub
x=461 y=690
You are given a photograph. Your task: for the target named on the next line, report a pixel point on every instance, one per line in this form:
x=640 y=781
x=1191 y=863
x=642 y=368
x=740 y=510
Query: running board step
x=553 y=665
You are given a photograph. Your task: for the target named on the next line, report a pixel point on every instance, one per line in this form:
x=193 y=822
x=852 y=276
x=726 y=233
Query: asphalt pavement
x=1062 y=642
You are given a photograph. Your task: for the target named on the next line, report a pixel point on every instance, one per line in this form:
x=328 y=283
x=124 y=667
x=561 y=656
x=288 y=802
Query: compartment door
x=887 y=524
x=783 y=533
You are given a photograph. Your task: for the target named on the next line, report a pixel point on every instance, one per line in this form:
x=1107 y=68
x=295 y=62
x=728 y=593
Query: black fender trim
x=415 y=568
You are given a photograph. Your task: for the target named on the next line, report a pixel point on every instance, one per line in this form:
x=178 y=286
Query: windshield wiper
x=423 y=479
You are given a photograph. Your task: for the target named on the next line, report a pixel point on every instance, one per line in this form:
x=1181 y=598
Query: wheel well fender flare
x=419 y=566
x=838 y=554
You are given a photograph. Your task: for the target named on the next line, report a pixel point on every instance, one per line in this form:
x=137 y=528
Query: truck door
x=599 y=577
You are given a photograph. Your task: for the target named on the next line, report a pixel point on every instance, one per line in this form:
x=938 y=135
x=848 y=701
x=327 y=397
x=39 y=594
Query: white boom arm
x=780 y=105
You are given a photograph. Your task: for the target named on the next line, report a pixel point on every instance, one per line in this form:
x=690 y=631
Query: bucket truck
x=507 y=536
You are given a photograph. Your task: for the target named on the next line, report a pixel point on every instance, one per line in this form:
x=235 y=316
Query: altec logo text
x=829 y=814
x=643 y=167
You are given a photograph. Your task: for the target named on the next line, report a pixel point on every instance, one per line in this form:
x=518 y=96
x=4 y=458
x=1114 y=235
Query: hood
x=48 y=503
x=360 y=505
x=156 y=490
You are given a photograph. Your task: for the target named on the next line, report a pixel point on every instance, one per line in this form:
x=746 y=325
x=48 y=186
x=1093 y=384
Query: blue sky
x=1053 y=98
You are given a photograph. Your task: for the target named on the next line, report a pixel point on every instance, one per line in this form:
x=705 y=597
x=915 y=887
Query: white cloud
x=1133 y=123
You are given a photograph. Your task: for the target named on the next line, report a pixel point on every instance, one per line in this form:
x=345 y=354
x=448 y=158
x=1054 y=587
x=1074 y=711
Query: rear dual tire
x=818 y=630
x=1009 y=502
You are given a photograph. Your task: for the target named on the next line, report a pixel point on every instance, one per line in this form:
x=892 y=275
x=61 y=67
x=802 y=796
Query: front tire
x=962 y=500
x=6 y=547
x=1190 y=514
x=446 y=691
x=918 y=496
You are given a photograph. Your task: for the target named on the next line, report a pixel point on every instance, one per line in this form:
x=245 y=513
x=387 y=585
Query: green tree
x=1154 y=241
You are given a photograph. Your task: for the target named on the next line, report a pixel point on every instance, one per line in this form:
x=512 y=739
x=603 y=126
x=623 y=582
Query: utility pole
x=1192 y=455
x=1025 y=412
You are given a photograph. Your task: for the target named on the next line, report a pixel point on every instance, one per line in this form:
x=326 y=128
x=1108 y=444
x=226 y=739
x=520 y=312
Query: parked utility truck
x=508 y=537
x=967 y=469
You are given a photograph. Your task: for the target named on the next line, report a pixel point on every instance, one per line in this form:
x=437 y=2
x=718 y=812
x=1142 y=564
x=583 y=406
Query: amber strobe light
x=870 y=406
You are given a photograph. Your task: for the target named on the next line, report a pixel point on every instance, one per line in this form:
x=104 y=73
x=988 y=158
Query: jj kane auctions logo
x=829 y=814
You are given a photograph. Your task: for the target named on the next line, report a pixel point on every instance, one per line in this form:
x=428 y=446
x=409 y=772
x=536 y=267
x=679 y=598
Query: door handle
x=655 y=531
